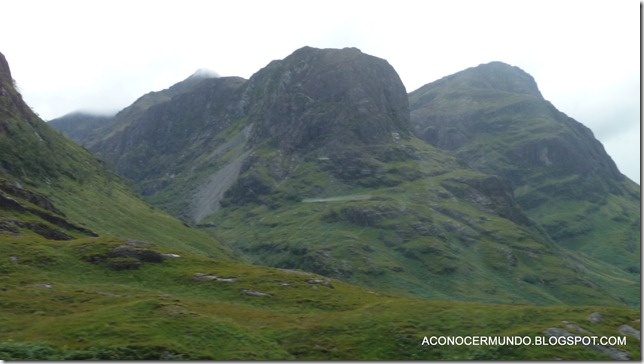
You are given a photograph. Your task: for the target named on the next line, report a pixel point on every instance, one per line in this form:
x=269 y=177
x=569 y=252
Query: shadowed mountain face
x=312 y=164
x=326 y=99
x=494 y=117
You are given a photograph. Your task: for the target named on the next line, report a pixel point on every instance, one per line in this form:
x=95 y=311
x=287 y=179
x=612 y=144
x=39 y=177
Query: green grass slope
x=409 y=219
x=75 y=300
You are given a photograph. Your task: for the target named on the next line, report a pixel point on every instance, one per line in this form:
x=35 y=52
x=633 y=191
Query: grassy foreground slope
x=68 y=300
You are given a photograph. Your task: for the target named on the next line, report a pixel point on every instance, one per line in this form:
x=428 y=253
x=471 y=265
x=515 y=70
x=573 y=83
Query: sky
x=101 y=55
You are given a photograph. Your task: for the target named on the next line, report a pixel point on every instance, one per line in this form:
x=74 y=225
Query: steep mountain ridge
x=561 y=175
x=163 y=130
x=315 y=153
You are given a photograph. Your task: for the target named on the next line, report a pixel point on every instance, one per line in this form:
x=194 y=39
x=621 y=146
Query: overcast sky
x=101 y=55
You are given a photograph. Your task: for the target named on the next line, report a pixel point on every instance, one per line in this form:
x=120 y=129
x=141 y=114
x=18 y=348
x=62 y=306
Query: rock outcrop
x=326 y=98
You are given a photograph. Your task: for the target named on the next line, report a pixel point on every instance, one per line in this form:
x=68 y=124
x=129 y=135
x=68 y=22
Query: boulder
x=250 y=292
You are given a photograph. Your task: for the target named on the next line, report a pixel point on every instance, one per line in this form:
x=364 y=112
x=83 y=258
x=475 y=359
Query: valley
x=316 y=211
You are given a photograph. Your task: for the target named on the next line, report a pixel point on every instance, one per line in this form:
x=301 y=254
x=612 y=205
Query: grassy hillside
x=421 y=224
x=70 y=300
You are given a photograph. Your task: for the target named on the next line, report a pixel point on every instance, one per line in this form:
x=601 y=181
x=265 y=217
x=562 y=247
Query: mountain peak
x=494 y=76
x=326 y=98
x=204 y=73
x=5 y=72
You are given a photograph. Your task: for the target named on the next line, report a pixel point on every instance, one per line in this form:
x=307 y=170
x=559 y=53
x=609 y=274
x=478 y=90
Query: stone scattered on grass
x=611 y=351
x=321 y=282
x=204 y=277
x=227 y=280
x=628 y=330
x=43 y=285
x=250 y=292
x=595 y=317
x=137 y=243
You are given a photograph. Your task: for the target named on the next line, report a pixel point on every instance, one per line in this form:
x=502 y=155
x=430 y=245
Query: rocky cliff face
x=167 y=131
x=315 y=103
x=326 y=99
x=339 y=105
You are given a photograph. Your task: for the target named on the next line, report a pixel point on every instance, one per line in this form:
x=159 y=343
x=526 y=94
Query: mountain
x=79 y=126
x=86 y=128
x=494 y=117
x=316 y=154
x=91 y=272
x=54 y=188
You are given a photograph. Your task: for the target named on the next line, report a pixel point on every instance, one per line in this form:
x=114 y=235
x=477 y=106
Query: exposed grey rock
x=321 y=282
x=595 y=317
x=227 y=280
x=250 y=292
x=613 y=352
x=628 y=330
x=557 y=332
x=43 y=285
x=109 y=295
x=206 y=198
x=137 y=243
x=204 y=277
x=293 y=271
x=292 y=98
x=578 y=328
